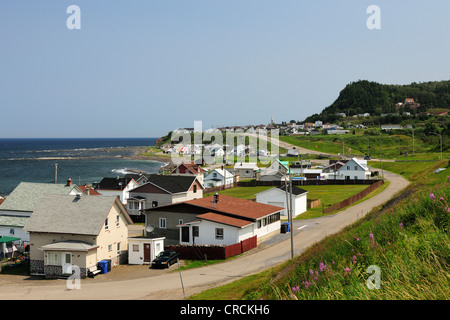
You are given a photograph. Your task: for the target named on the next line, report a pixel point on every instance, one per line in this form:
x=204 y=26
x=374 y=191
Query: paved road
x=168 y=285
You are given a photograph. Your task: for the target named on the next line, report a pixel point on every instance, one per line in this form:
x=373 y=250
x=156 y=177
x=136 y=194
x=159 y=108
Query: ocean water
x=85 y=160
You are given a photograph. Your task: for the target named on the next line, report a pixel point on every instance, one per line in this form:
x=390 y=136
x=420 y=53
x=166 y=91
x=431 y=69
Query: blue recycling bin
x=103 y=265
x=288 y=226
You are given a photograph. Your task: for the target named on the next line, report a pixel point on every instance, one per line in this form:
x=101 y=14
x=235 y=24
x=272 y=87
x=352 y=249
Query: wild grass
x=407 y=242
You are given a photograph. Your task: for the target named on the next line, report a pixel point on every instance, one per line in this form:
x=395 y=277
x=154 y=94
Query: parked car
x=165 y=259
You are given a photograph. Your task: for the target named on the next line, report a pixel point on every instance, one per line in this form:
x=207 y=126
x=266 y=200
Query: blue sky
x=143 y=68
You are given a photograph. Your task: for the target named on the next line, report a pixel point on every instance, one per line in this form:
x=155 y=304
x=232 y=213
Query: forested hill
x=371 y=97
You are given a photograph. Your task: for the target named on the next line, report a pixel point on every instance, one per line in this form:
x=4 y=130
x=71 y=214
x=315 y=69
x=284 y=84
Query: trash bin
x=103 y=266
x=109 y=264
x=288 y=226
x=285 y=227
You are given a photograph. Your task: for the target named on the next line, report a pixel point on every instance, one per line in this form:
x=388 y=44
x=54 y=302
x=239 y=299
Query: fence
x=220 y=188
x=309 y=182
x=354 y=198
x=212 y=252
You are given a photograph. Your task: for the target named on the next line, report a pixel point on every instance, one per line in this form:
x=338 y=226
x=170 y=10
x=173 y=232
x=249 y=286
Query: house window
x=11 y=231
x=214 y=175
x=54 y=259
x=118 y=248
x=356 y=167
x=135 y=248
x=219 y=233
x=195 y=231
x=109 y=247
x=195 y=188
x=117 y=220
x=154 y=203
x=106 y=224
x=162 y=223
x=348 y=167
x=180 y=221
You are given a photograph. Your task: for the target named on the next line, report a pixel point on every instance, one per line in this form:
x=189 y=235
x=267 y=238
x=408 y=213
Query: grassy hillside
x=407 y=241
x=389 y=146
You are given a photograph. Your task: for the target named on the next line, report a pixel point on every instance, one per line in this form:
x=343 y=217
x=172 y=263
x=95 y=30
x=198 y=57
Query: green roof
x=28 y=194
x=5 y=239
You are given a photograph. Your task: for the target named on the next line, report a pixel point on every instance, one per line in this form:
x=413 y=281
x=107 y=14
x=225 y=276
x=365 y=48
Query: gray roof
x=13 y=221
x=69 y=245
x=71 y=214
x=27 y=194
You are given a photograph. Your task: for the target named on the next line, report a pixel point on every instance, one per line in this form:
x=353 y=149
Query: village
x=56 y=228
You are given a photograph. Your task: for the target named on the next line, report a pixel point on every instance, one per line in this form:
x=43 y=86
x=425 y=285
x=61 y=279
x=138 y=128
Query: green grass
x=409 y=243
x=327 y=195
x=386 y=146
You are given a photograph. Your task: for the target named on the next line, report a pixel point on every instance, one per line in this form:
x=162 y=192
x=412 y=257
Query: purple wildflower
x=295 y=289
x=432 y=196
x=347 y=270
x=401 y=225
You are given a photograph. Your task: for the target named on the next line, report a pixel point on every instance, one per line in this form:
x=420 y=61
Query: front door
x=66 y=263
x=147 y=252
x=184 y=234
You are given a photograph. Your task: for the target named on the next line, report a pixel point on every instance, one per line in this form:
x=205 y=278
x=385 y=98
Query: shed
x=143 y=250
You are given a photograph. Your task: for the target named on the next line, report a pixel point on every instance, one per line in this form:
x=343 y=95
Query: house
x=116 y=187
x=277 y=197
x=217 y=220
x=275 y=171
x=67 y=231
x=189 y=168
x=217 y=178
x=161 y=190
x=293 y=152
x=17 y=208
x=143 y=250
x=353 y=169
x=245 y=170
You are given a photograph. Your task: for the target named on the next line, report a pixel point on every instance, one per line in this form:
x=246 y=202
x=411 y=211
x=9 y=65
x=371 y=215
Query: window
x=219 y=233
x=356 y=167
x=106 y=224
x=195 y=188
x=109 y=247
x=117 y=220
x=54 y=258
x=180 y=221
x=118 y=248
x=154 y=203
x=11 y=231
x=135 y=248
x=162 y=223
x=348 y=167
x=195 y=231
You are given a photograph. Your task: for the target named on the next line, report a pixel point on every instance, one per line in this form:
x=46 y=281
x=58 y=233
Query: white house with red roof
x=216 y=220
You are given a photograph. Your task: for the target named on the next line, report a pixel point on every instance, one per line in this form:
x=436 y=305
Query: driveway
x=167 y=284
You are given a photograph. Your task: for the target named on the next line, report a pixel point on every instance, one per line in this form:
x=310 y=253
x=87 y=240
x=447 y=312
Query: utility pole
x=291 y=213
x=56 y=173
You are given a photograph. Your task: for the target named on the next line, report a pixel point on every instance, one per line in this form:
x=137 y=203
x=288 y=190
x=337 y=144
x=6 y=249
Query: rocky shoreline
x=139 y=154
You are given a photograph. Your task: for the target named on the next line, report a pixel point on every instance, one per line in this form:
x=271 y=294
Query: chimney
x=69 y=182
